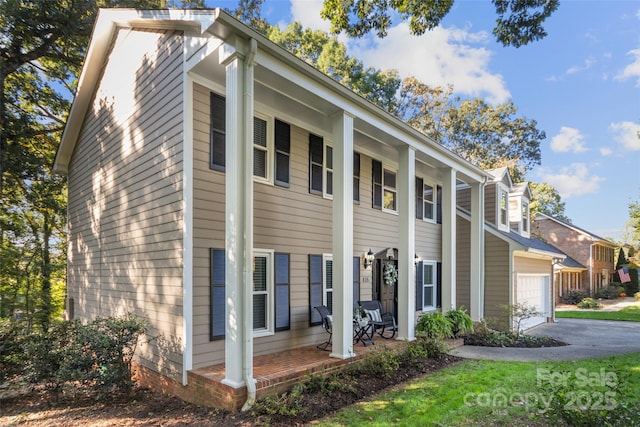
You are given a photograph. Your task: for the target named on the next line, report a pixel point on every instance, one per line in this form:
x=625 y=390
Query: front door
x=386 y=284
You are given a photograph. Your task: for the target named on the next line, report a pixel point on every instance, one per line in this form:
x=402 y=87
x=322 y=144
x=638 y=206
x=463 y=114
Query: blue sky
x=581 y=84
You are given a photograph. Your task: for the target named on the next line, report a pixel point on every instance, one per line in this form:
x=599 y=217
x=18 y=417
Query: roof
x=521 y=189
x=501 y=175
x=573 y=227
x=217 y=24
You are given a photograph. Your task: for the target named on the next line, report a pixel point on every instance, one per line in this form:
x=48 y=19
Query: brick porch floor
x=278 y=372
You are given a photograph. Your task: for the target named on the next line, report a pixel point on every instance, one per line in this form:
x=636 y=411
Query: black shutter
x=315 y=288
x=217 y=303
x=283 y=153
x=315 y=164
x=419 y=285
x=376 y=167
x=356 y=281
x=282 y=284
x=439 y=285
x=419 y=198
x=217 y=133
x=439 y=204
x=356 y=177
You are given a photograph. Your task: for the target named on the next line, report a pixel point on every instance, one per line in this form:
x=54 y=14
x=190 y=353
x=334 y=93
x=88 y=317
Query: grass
x=630 y=313
x=488 y=393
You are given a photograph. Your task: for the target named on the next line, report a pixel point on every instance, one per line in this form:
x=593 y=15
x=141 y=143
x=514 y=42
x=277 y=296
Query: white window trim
x=526 y=219
x=386 y=168
x=434 y=202
x=325 y=169
x=269 y=255
x=325 y=291
x=270 y=150
x=434 y=284
x=502 y=191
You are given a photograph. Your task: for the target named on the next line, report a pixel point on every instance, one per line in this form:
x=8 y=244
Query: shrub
x=609 y=292
x=435 y=325
x=461 y=322
x=588 y=303
x=574 y=296
x=382 y=363
x=637 y=296
x=11 y=357
x=521 y=311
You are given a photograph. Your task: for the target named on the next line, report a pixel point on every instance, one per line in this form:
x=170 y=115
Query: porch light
x=416 y=259
x=557 y=260
x=368 y=259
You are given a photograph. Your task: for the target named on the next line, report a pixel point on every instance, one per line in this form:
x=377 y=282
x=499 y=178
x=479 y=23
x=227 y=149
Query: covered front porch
x=274 y=373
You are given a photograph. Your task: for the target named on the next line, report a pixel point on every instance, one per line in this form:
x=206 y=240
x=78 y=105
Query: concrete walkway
x=586 y=338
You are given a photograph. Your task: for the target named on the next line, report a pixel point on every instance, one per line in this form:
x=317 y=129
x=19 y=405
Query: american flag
x=624 y=275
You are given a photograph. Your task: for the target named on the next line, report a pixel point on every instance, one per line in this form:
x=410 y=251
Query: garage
x=533 y=290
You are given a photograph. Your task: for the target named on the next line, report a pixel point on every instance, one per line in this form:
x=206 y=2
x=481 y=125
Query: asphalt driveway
x=586 y=338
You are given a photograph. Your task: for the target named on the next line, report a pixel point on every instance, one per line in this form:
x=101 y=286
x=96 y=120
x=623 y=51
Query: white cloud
x=606 y=151
x=573 y=180
x=308 y=14
x=588 y=63
x=631 y=71
x=439 y=57
x=626 y=134
x=569 y=139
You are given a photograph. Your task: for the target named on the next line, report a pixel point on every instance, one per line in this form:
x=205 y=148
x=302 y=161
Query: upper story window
x=384 y=188
x=321 y=169
x=503 y=208
x=356 y=177
x=426 y=200
x=271 y=145
x=525 y=218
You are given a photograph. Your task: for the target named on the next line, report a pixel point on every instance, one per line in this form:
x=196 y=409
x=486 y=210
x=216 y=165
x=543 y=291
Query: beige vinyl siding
x=497 y=277
x=528 y=265
x=288 y=220
x=490 y=201
x=125 y=195
x=463 y=199
x=463 y=263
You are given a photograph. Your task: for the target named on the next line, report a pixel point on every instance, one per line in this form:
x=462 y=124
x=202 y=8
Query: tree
x=547 y=200
x=42 y=46
x=328 y=55
x=519 y=21
x=487 y=136
x=633 y=230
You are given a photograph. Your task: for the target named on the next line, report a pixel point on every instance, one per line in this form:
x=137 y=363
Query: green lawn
x=488 y=393
x=630 y=313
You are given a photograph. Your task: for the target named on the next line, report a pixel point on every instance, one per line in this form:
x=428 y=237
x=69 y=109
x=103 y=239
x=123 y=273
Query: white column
x=239 y=217
x=406 y=244
x=342 y=236
x=476 y=310
x=449 y=241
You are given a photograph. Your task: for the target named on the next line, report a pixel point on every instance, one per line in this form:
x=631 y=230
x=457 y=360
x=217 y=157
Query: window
x=321 y=284
x=503 y=208
x=283 y=153
x=217 y=134
x=428 y=285
x=525 y=217
x=271 y=160
x=316 y=164
x=425 y=201
x=271 y=284
x=328 y=170
x=260 y=149
x=384 y=188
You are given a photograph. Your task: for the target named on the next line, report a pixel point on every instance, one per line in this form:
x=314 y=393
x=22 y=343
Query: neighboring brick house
x=592 y=263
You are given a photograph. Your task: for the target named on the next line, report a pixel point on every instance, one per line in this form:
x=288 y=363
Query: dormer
x=497 y=198
x=519 y=217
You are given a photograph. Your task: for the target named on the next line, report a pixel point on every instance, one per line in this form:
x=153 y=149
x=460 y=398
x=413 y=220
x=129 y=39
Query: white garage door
x=533 y=290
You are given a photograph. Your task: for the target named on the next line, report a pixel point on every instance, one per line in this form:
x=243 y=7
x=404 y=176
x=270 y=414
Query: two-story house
x=221 y=188
x=518 y=268
x=592 y=257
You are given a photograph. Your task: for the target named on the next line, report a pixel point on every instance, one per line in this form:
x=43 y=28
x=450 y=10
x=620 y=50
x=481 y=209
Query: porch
x=274 y=373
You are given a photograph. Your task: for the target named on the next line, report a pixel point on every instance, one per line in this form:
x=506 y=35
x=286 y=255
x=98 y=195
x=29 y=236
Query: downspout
x=248 y=321
x=591 y=269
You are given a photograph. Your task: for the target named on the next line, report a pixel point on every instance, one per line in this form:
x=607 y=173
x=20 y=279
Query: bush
x=11 y=358
x=382 y=363
x=609 y=292
x=461 y=322
x=574 y=296
x=97 y=355
x=637 y=296
x=435 y=325
x=588 y=303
